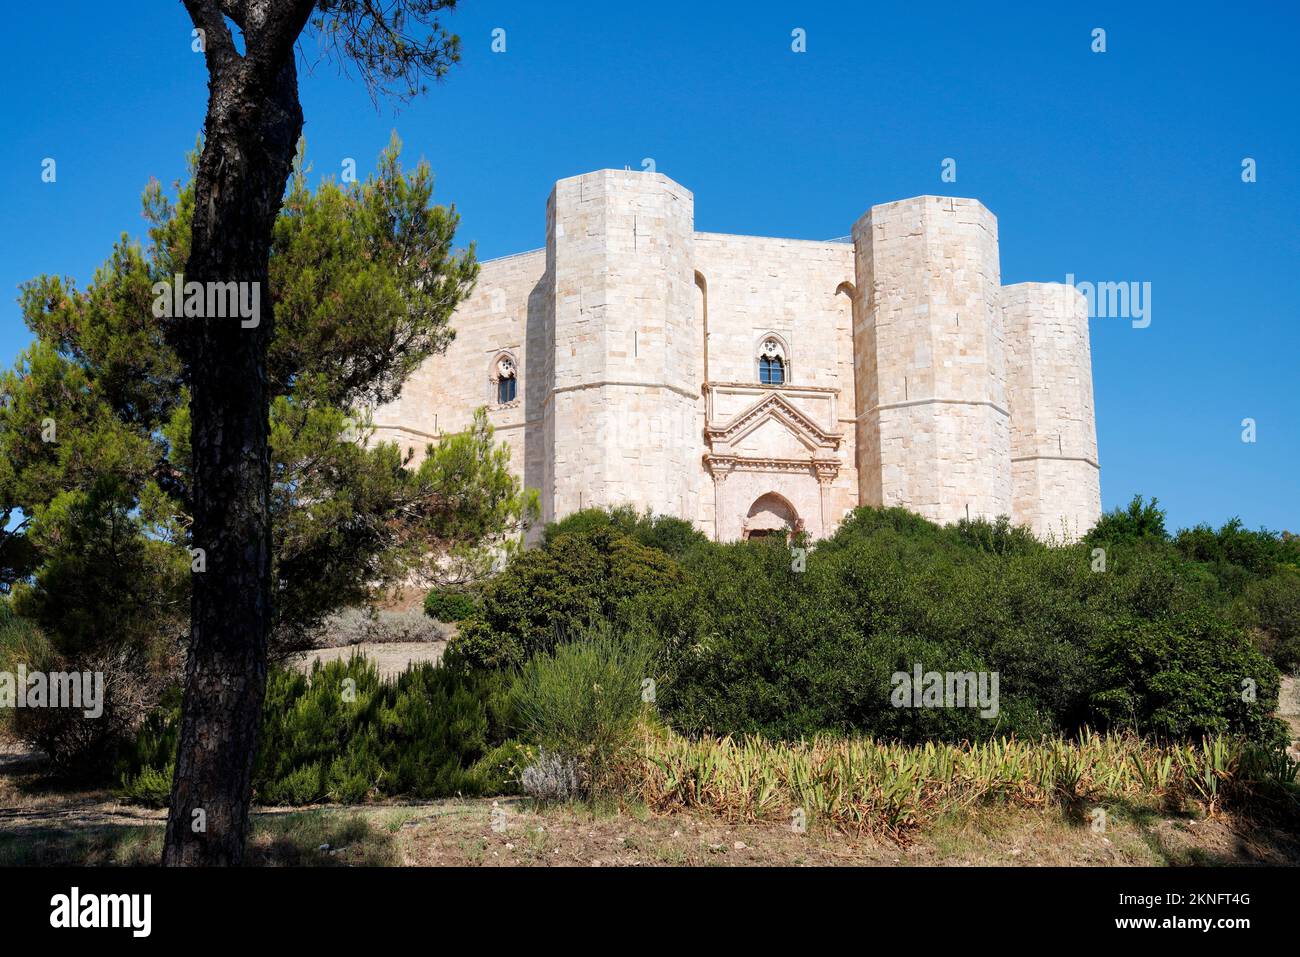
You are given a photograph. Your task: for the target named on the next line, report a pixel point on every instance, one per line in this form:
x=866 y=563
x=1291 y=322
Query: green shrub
x=1140 y=520
x=151 y=786
x=319 y=733
x=1182 y=675
x=673 y=536
x=744 y=643
x=1237 y=556
x=749 y=645
x=582 y=700
x=449 y=604
x=586 y=522
x=1270 y=608
x=1254 y=574
x=300 y=786
x=146 y=767
x=21 y=642
x=344 y=735
x=501 y=769
x=434 y=731
x=998 y=537
x=573 y=583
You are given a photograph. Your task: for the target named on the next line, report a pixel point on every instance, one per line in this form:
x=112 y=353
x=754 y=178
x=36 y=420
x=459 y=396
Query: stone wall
x=933 y=431
x=802 y=292
x=506 y=314
x=625 y=396
x=1056 y=487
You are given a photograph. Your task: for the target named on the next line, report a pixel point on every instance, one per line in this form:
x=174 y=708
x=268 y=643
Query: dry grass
x=461 y=834
x=863 y=786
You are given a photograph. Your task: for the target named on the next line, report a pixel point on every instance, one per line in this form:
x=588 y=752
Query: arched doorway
x=770 y=516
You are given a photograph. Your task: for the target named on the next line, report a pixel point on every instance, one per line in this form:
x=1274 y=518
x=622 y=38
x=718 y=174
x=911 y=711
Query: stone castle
x=754 y=385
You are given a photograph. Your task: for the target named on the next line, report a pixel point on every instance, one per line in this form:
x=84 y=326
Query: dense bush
x=342 y=734
x=147 y=766
x=755 y=646
x=550 y=593
x=449 y=604
x=1256 y=573
x=673 y=536
x=1237 y=556
x=999 y=537
x=21 y=643
x=1141 y=520
x=1270 y=608
x=80 y=747
x=745 y=642
x=580 y=702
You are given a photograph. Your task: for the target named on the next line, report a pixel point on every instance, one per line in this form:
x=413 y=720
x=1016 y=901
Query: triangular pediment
x=773 y=438
x=772 y=426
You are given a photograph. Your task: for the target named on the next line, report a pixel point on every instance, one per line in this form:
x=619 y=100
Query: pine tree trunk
x=250 y=135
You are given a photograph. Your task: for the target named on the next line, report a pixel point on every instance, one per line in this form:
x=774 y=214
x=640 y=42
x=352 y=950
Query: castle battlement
x=750 y=384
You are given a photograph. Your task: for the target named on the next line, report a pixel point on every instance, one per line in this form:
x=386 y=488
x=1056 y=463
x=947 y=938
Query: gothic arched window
x=507 y=380
x=506 y=389
x=771 y=371
x=771 y=362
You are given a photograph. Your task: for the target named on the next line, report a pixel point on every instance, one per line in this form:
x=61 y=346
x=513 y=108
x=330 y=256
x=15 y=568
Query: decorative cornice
x=761 y=387
x=722 y=465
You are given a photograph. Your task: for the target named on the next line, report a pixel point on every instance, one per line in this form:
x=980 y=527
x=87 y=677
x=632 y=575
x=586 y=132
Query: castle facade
x=753 y=385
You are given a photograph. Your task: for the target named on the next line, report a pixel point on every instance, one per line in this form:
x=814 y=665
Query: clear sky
x=1122 y=166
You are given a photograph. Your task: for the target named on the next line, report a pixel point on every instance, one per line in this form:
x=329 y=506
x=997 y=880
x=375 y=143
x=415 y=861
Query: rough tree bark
x=252 y=127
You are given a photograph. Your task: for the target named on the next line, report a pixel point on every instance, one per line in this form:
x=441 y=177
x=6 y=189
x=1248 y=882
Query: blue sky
x=1115 y=166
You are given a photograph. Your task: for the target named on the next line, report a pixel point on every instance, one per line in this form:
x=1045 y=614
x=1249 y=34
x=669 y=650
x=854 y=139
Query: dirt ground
x=390 y=658
x=454 y=834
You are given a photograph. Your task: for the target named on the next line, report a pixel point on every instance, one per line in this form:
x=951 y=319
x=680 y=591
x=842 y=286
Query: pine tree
x=99 y=475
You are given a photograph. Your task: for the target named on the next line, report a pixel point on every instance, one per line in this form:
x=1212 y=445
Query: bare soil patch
x=390 y=658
